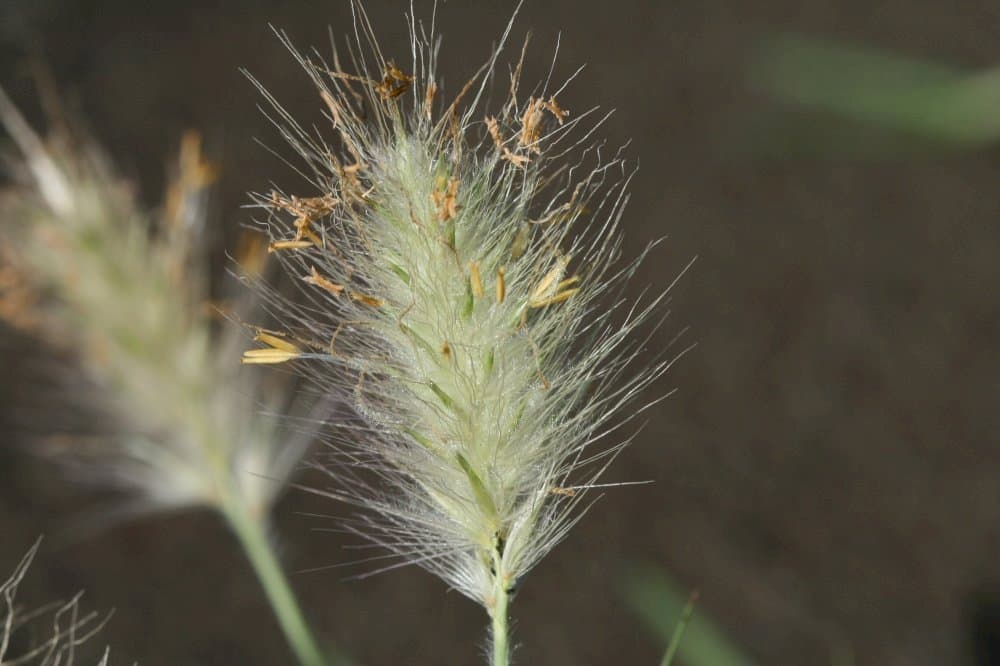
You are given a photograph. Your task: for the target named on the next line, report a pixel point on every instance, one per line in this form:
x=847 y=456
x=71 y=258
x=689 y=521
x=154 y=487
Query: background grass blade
x=667 y=612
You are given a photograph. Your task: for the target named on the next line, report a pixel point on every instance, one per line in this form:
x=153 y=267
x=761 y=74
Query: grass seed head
x=482 y=408
x=124 y=290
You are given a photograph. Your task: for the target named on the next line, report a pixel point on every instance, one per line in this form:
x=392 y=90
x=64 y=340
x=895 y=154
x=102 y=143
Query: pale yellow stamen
x=475 y=280
x=276 y=342
x=268 y=356
x=549 y=284
x=370 y=301
x=568 y=282
x=274 y=246
x=501 y=284
x=558 y=298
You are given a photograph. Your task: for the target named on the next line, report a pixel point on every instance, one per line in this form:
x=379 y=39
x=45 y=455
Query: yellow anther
x=549 y=284
x=274 y=246
x=475 y=280
x=276 y=342
x=501 y=284
x=370 y=301
x=268 y=356
x=558 y=298
x=568 y=282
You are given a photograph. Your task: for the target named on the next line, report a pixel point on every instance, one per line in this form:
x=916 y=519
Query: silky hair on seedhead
x=461 y=285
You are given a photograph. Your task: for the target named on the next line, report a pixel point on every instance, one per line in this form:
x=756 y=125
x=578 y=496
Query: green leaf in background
x=667 y=611
x=675 y=640
x=883 y=89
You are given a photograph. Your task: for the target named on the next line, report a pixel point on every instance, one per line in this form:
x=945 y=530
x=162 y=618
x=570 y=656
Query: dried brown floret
x=445 y=198
x=531 y=123
x=394 y=82
x=431 y=92
x=324 y=283
x=553 y=107
x=494 y=129
x=306 y=210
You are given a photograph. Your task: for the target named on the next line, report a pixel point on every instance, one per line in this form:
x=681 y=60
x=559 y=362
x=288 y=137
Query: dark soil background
x=828 y=473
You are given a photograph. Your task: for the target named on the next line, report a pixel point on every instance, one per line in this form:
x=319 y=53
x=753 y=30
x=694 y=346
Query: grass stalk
x=499 y=615
x=251 y=531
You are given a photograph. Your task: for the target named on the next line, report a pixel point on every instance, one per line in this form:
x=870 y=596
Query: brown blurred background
x=828 y=473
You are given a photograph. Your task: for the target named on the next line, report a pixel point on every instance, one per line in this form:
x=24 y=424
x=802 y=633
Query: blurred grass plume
x=84 y=268
x=126 y=291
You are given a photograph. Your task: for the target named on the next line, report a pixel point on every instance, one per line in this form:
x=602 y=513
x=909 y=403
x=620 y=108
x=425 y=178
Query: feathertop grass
x=125 y=291
x=460 y=283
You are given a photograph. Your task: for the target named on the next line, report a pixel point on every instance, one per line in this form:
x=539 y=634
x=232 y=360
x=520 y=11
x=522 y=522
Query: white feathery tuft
x=126 y=292
x=461 y=286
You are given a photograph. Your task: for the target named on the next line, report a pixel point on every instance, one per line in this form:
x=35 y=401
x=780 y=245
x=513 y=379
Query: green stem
x=251 y=532
x=499 y=614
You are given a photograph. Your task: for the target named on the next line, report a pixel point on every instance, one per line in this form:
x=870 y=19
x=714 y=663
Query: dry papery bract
x=461 y=285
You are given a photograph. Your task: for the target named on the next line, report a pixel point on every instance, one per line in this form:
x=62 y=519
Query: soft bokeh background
x=827 y=475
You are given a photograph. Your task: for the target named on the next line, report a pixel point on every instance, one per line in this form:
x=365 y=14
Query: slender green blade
x=881 y=88
x=675 y=640
x=668 y=613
